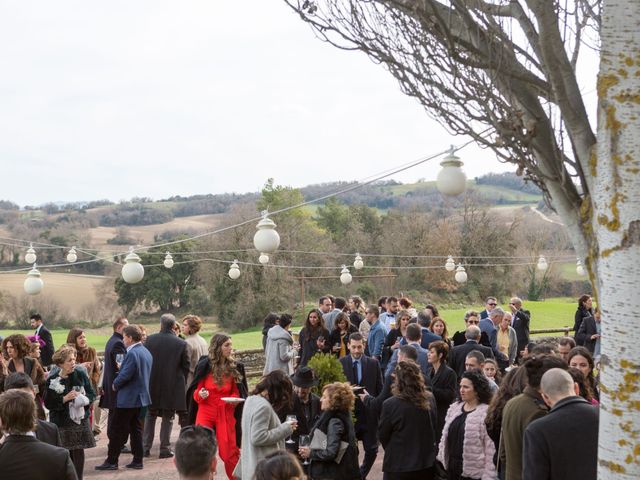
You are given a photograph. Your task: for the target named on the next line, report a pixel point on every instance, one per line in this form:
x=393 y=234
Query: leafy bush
x=328 y=369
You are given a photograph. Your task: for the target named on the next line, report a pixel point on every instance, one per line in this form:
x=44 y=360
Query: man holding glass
x=115 y=346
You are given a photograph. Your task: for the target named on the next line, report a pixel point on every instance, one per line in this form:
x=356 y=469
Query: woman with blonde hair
x=67 y=396
x=329 y=459
x=217 y=380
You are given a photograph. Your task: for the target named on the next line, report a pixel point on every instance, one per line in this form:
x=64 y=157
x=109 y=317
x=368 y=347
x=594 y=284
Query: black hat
x=304 y=378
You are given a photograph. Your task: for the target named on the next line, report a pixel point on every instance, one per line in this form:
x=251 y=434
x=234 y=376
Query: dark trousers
x=125 y=422
x=367 y=432
x=165 y=429
x=77 y=457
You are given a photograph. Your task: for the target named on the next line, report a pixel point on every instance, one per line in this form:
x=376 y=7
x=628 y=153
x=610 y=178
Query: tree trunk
x=615 y=172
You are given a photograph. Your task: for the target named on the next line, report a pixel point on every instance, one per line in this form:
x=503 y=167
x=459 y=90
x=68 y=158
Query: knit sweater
x=478 y=450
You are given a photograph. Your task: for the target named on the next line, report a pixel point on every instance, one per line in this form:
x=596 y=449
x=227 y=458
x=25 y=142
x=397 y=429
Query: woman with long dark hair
x=269 y=321
x=314 y=337
x=444 y=382
x=262 y=431
x=339 y=336
x=395 y=335
x=466 y=450
x=580 y=358
x=585 y=309
x=439 y=327
x=336 y=426
x=408 y=418
x=218 y=377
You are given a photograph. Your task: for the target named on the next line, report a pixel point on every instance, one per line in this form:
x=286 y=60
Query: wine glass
x=305 y=441
x=291 y=418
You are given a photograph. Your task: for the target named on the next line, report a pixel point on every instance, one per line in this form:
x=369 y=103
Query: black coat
x=444 y=385
x=521 y=320
x=338 y=427
x=371 y=373
x=115 y=345
x=48 y=432
x=24 y=456
x=203 y=368
x=169 y=371
x=563 y=445
x=335 y=337
x=459 y=354
x=583 y=337
x=581 y=314
x=309 y=344
x=304 y=426
x=46 y=352
x=459 y=339
x=407 y=435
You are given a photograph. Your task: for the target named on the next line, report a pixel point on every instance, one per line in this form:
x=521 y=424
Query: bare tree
x=505 y=73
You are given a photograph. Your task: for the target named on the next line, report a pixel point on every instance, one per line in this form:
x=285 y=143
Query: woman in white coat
x=262 y=432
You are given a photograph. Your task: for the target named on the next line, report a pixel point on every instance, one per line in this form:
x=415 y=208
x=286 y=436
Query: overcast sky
x=152 y=98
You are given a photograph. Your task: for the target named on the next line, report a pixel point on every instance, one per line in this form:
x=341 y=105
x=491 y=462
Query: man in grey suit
x=46 y=432
x=22 y=455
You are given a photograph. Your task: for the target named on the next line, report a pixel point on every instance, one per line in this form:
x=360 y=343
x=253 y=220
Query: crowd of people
x=482 y=403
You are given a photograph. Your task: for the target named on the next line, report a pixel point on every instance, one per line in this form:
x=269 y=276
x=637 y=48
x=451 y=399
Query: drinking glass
x=119 y=359
x=305 y=441
x=291 y=418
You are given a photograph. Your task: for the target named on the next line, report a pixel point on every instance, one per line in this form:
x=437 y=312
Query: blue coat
x=114 y=346
x=132 y=382
x=425 y=366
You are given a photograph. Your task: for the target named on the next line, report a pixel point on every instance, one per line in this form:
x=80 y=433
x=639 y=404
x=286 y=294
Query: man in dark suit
x=22 y=455
x=167 y=385
x=490 y=304
x=413 y=338
x=46 y=352
x=459 y=353
x=562 y=445
x=364 y=371
x=115 y=346
x=46 y=432
x=520 y=323
x=132 y=387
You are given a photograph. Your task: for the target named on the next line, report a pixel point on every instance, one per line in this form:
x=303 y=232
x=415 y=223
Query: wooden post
x=302 y=290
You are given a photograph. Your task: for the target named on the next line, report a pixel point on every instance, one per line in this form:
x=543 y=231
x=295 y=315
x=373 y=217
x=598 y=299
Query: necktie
x=356 y=378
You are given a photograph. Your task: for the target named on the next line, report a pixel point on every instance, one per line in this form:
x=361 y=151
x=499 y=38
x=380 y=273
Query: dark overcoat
x=115 y=345
x=169 y=371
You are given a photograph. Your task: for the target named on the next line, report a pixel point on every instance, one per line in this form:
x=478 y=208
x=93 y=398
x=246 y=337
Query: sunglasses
x=199 y=428
x=492 y=304
x=474 y=322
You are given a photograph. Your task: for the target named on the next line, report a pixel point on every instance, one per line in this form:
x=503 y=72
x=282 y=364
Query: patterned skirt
x=75 y=436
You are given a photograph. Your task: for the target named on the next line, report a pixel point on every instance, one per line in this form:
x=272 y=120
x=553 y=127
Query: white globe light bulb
x=132 y=271
x=345 y=276
x=358 y=264
x=33 y=284
x=451 y=180
x=72 y=256
x=168 y=261
x=461 y=275
x=263 y=259
x=542 y=264
x=30 y=256
x=450 y=265
x=234 y=270
x=266 y=239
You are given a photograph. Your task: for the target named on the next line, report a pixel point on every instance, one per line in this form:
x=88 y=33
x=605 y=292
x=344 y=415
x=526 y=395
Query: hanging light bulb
x=168 y=261
x=30 y=256
x=345 y=276
x=461 y=275
x=263 y=258
x=358 y=264
x=33 y=284
x=451 y=180
x=133 y=271
x=542 y=264
x=580 y=269
x=72 y=256
x=234 y=270
x=266 y=239
x=450 y=265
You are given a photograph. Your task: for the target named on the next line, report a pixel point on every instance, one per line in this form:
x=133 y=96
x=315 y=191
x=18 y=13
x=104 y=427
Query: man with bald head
x=563 y=445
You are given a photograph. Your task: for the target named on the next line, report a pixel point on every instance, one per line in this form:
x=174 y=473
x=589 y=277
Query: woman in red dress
x=220 y=382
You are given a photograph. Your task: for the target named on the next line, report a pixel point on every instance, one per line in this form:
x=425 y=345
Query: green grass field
x=552 y=313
